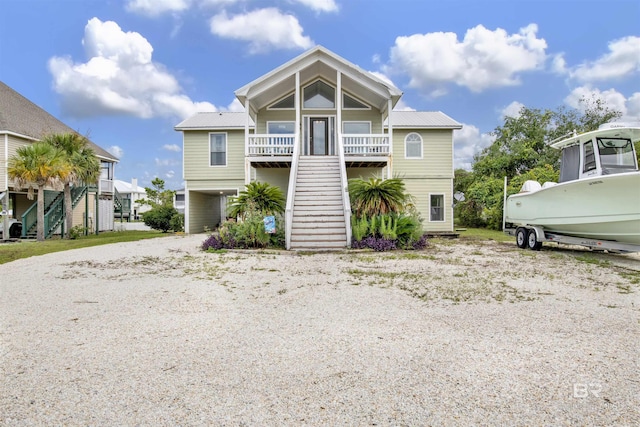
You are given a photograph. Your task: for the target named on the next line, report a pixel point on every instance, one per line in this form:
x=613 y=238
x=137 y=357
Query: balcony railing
x=106 y=186
x=366 y=145
x=354 y=145
x=270 y=145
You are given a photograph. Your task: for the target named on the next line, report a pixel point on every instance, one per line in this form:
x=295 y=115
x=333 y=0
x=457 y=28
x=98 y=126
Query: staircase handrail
x=344 y=185
x=291 y=191
x=53 y=217
x=30 y=216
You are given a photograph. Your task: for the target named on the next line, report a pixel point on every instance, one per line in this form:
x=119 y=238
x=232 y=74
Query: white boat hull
x=603 y=207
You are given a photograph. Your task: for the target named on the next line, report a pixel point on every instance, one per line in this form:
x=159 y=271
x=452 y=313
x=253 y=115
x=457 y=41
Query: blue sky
x=125 y=72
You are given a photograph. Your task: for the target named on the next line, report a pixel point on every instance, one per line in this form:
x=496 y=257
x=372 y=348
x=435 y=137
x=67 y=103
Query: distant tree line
x=521 y=152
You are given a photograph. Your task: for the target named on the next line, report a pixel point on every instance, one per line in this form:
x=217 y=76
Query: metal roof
x=20 y=116
x=216 y=120
x=423 y=120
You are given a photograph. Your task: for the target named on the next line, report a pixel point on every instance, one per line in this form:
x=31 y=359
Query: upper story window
x=356 y=127
x=106 y=170
x=286 y=103
x=281 y=127
x=218 y=149
x=413 y=146
x=350 y=103
x=319 y=95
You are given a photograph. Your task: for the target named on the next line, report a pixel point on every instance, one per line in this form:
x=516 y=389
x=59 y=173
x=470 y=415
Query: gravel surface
x=157 y=332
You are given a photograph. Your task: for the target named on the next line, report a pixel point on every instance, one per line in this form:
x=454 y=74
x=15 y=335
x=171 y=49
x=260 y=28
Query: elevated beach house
x=22 y=122
x=307 y=127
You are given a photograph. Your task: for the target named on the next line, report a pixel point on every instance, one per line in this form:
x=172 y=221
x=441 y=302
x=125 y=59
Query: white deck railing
x=344 y=186
x=366 y=145
x=270 y=145
x=291 y=192
x=105 y=186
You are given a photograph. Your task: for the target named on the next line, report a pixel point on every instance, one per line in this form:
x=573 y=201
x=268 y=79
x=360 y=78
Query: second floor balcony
x=354 y=145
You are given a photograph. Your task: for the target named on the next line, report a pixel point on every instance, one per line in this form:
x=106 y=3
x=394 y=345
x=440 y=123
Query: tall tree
x=82 y=163
x=521 y=151
x=40 y=165
x=157 y=195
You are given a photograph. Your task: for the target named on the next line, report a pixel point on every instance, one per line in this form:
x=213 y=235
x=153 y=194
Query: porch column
x=338 y=110
x=390 y=131
x=298 y=134
x=247 y=164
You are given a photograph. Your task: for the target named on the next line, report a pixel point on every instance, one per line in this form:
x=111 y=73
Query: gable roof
x=319 y=61
x=20 y=116
x=422 y=120
x=215 y=120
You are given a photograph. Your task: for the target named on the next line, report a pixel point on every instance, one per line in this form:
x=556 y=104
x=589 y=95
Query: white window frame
x=406 y=156
x=226 y=149
x=444 y=205
x=281 y=121
x=335 y=100
x=344 y=122
x=366 y=106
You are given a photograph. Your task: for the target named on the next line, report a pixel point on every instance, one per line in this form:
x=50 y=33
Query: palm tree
x=82 y=163
x=377 y=196
x=38 y=164
x=261 y=196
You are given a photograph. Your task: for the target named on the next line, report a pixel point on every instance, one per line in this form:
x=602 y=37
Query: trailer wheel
x=532 y=241
x=521 y=237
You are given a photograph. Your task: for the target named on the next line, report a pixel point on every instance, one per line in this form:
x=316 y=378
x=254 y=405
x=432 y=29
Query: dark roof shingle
x=23 y=117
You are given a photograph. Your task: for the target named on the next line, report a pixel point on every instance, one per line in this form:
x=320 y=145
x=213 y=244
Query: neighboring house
x=178 y=200
x=21 y=123
x=309 y=126
x=131 y=194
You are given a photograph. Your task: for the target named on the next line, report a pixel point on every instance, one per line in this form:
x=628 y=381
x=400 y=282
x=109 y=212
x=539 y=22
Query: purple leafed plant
x=378 y=244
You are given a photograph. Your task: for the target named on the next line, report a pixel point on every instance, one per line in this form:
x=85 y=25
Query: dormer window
x=286 y=103
x=350 y=103
x=319 y=95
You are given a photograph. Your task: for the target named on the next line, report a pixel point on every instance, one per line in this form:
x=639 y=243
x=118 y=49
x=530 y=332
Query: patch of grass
x=485 y=234
x=593 y=260
x=25 y=249
x=631 y=276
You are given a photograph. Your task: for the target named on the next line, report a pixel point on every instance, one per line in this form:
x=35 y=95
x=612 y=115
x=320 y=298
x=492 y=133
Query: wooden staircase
x=318 y=214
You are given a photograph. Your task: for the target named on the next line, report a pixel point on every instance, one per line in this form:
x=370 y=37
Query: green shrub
x=177 y=222
x=359 y=227
x=159 y=218
x=249 y=233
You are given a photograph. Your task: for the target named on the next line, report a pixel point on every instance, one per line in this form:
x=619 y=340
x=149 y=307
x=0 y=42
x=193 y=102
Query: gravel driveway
x=156 y=333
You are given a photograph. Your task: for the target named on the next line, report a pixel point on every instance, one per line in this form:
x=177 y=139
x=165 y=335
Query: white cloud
x=482 y=60
x=320 y=5
x=116 y=151
x=235 y=106
x=629 y=107
x=119 y=77
x=172 y=147
x=264 y=29
x=402 y=106
x=156 y=7
x=512 y=110
x=170 y=174
x=622 y=60
x=467 y=142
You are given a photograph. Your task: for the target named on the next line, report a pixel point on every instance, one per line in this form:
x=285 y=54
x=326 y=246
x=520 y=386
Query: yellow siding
x=421 y=189
x=196 y=157
x=265 y=116
x=276 y=176
x=437 y=154
x=13 y=142
x=204 y=212
x=365 y=173
x=372 y=116
x=218 y=184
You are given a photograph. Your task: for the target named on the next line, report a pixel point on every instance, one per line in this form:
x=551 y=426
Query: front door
x=319 y=136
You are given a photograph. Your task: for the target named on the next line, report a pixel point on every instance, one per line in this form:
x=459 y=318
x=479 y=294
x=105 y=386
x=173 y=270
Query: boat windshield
x=616 y=155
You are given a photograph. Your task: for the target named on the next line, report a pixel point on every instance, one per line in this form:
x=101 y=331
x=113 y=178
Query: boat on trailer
x=596 y=202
